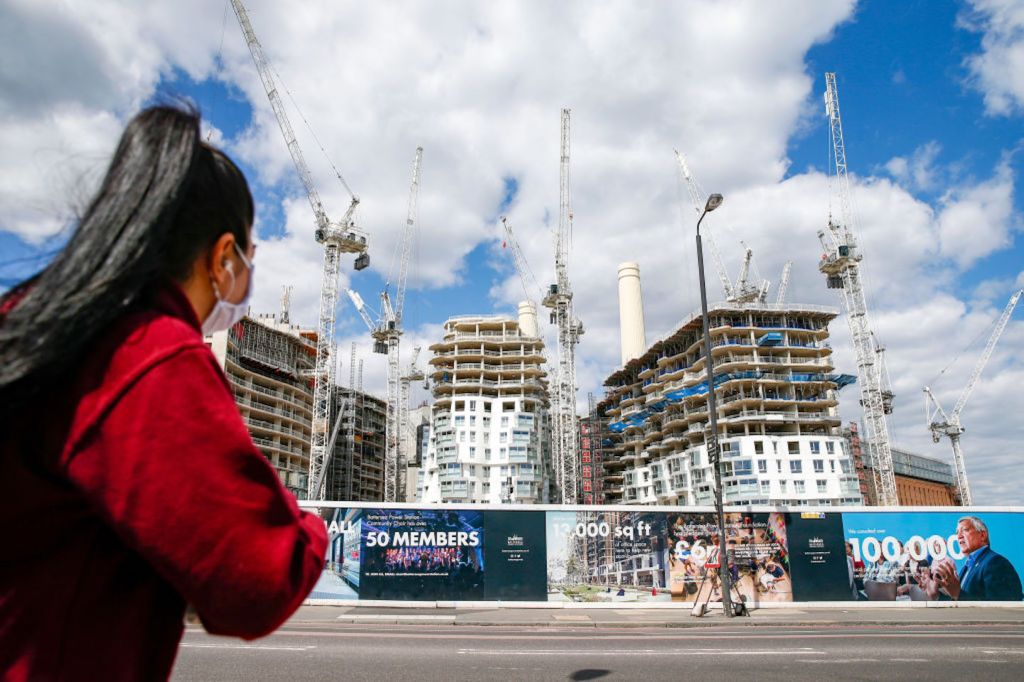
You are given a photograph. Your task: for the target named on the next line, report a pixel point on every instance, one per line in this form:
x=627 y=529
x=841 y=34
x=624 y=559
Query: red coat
x=130 y=489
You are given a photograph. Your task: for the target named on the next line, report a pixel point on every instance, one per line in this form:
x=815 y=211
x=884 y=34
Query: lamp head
x=714 y=201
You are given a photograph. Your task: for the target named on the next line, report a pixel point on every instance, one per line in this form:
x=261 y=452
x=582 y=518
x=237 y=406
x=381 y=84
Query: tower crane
x=949 y=425
x=841 y=265
x=883 y=373
x=286 y=304
x=337 y=238
x=745 y=290
x=742 y=291
x=780 y=295
x=529 y=281
x=386 y=332
x=564 y=433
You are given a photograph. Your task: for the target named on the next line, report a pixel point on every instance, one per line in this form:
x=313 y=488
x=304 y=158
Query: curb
x=692 y=623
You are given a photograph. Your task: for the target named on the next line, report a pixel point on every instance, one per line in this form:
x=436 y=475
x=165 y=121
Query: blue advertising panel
x=422 y=554
x=930 y=556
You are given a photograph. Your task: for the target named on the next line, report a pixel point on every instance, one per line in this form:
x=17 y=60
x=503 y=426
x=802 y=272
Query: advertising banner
x=340 y=577
x=647 y=555
x=516 y=556
x=404 y=554
x=817 y=557
x=757 y=548
x=606 y=556
x=929 y=556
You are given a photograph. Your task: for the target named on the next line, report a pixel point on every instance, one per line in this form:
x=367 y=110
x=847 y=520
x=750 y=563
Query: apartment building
x=489 y=436
x=777 y=413
x=267 y=364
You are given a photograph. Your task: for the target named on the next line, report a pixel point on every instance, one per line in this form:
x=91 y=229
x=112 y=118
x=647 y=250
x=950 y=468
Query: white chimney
x=528 y=318
x=631 y=312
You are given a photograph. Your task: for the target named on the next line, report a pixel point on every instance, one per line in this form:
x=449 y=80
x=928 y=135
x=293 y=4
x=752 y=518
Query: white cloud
x=51 y=166
x=998 y=70
x=919 y=171
x=977 y=220
x=479 y=86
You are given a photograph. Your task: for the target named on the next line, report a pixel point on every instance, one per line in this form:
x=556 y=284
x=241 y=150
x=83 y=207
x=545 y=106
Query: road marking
x=641 y=652
x=686 y=634
x=909 y=660
x=259 y=647
x=386 y=617
x=1002 y=650
x=545 y=633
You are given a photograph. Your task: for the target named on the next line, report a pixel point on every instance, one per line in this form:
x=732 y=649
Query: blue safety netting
x=678 y=395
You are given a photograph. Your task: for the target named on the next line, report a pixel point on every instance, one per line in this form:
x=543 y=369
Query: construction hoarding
x=642 y=555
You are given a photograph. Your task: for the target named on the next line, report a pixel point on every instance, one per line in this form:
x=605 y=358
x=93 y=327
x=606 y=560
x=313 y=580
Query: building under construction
x=777 y=396
x=356 y=469
x=267 y=364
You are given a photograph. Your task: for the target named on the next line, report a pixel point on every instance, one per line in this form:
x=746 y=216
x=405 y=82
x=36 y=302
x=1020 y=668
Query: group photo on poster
x=607 y=556
x=933 y=556
x=758 y=552
x=422 y=554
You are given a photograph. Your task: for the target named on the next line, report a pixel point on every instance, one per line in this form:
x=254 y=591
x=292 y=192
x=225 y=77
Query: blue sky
x=932 y=103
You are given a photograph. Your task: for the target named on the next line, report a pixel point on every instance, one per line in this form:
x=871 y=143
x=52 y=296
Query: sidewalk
x=611 y=617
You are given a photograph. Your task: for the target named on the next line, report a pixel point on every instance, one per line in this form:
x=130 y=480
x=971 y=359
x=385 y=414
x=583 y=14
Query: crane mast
x=337 y=238
x=286 y=304
x=780 y=294
x=386 y=332
x=390 y=334
x=841 y=266
x=949 y=425
x=564 y=432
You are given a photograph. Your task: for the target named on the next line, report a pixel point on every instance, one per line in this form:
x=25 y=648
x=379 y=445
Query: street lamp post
x=714 y=454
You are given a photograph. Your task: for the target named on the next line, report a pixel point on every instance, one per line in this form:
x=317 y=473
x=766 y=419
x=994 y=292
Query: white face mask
x=224 y=313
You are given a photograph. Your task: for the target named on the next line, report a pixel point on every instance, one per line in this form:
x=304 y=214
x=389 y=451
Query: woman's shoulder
x=134 y=344
x=146 y=336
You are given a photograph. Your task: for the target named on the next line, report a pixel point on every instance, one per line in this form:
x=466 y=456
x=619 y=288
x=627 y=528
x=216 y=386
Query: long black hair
x=166 y=198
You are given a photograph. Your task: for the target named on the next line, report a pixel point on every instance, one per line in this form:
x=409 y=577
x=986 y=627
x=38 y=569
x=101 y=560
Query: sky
x=932 y=102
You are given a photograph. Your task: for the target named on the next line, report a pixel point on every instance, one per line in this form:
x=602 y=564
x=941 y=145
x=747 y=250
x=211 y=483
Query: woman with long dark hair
x=130 y=485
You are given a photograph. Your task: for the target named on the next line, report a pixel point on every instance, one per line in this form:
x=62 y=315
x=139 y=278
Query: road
x=426 y=652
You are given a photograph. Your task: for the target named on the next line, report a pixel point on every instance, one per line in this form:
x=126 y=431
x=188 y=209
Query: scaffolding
x=278 y=351
x=356 y=471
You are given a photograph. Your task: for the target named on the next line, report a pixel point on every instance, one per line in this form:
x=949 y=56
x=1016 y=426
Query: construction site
x=504 y=424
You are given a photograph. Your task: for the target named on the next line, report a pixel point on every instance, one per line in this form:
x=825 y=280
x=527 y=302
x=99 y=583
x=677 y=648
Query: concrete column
x=631 y=312
x=528 y=318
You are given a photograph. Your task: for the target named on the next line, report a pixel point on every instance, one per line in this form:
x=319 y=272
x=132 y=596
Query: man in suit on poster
x=985 y=576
